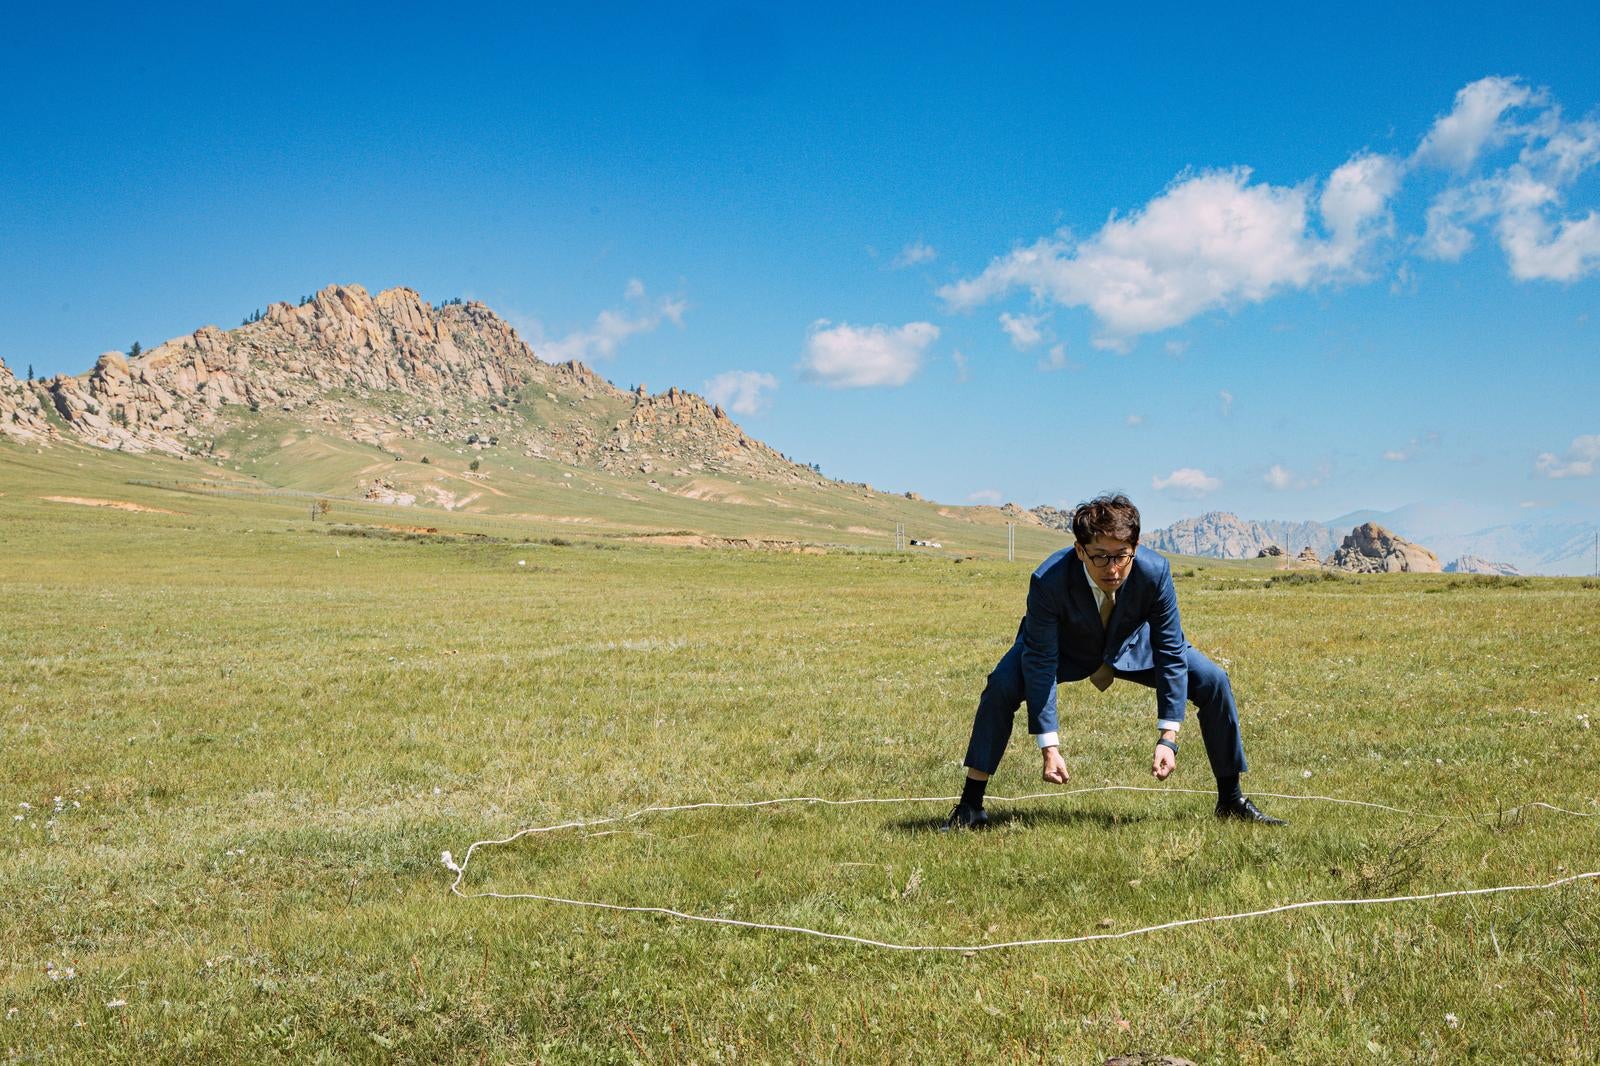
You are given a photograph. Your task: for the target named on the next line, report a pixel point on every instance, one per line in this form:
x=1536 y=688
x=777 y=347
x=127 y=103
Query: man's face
x=1118 y=555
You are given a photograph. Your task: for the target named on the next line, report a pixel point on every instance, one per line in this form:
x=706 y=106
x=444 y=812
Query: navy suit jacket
x=1062 y=638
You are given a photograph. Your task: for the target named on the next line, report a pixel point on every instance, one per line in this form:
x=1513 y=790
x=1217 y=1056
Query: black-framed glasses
x=1102 y=560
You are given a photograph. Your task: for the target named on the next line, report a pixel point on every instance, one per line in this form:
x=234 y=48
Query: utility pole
x=899 y=536
x=1011 y=542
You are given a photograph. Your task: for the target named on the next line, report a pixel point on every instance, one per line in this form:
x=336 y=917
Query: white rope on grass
x=460 y=870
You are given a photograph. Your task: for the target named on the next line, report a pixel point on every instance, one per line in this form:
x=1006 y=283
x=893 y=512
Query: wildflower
x=1305 y=773
x=1452 y=1021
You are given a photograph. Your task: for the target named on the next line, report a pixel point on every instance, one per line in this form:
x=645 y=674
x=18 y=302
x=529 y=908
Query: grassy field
x=237 y=740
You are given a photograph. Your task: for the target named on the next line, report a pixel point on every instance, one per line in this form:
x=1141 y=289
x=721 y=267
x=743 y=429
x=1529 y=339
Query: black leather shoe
x=1245 y=811
x=964 y=817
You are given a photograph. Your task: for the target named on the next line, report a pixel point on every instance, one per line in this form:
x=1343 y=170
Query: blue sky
x=1286 y=265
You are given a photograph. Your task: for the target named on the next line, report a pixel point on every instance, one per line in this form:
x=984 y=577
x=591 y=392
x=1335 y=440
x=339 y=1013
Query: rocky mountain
x=393 y=372
x=1472 y=564
x=1223 y=535
x=22 y=416
x=1372 y=549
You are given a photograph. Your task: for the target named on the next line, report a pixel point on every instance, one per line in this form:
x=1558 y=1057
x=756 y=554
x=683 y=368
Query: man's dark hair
x=1106 y=516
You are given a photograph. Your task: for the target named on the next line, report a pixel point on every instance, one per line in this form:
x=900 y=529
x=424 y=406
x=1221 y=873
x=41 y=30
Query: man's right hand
x=1055 y=767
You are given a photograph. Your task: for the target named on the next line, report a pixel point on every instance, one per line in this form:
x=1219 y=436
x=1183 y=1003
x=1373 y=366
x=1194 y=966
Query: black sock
x=972 y=792
x=1228 y=790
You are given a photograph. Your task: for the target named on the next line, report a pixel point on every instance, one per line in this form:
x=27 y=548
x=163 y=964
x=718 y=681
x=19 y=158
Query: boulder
x=1372 y=549
x=1271 y=551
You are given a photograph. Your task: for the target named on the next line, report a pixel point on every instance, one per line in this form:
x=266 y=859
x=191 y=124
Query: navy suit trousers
x=1209 y=691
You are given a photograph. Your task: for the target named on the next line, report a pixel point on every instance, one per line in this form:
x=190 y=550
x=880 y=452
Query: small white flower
x=25 y=805
x=449 y=861
x=1452 y=1021
x=437 y=790
x=16 y=817
x=11 y=1012
x=1305 y=773
x=522 y=562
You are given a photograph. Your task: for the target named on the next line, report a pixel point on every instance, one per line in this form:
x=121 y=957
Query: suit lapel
x=1079 y=594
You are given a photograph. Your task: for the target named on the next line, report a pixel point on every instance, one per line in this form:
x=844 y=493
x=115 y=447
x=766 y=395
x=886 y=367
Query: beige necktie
x=1103 y=677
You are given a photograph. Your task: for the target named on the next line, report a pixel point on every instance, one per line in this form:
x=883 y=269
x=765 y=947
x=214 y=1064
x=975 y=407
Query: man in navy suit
x=1105 y=610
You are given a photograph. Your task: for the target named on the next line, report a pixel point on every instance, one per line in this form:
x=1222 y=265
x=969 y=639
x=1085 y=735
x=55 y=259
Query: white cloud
x=1580 y=461
x=1176 y=348
x=1057 y=360
x=1355 y=205
x=852 y=357
x=1225 y=400
x=611 y=328
x=1208 y=241
x=1395 y=455
x=1219 y=240
x=989 y=496
x=1186 y=482
x=1413 y=447
x=960 y=361
x=1135 y=420
x=740 y=391
x=914 y=253
x=1025 y=331
x=1281 y=479
x=1522 y=200
x=1475 y=122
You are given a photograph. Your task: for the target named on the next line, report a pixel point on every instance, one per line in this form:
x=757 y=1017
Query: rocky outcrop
x=1472 y=564
x=22 y=416
x=341 y=339
x=1223 y=535
x=1372 y=549
x=1053 y=517
x=392 y=371
x=1308 y=554
x=678 y=430
x=1271 y=551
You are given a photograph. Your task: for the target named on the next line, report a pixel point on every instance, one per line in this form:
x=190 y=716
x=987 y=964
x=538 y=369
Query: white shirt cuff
x=1048 y=740
x=1164 y=725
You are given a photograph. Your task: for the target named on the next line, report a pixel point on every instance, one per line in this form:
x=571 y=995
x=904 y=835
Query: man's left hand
x=1164 y=763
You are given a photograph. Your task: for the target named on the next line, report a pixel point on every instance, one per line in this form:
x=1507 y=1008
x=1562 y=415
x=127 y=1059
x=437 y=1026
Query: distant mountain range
x=1561 y=541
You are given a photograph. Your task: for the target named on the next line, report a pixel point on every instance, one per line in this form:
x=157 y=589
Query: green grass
x=263 y=735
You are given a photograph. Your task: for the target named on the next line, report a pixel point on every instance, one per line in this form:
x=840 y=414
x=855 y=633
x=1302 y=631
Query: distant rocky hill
x=1223 y=535
x=22 y=414
x=1472 y=564
x=389 y=371
x=1372 y=549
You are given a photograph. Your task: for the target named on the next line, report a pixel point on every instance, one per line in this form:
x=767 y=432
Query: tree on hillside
x=30 y=371
x=133 y=353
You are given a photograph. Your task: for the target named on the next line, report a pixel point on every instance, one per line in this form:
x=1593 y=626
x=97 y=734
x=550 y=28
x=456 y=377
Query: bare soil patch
x=120 y=505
